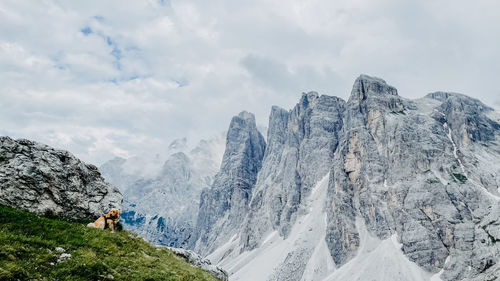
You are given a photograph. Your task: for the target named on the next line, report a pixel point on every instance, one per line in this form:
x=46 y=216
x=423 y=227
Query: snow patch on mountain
x=305 y=250
x=378 y=260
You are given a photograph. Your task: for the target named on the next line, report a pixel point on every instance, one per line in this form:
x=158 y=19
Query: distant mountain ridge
x=162 y=204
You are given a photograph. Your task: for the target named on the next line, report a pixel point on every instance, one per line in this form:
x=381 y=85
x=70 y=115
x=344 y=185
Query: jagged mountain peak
x=245 y=115
x=312 y=99
x=442 y=96
x=162 y=205
x=466 y=117
x=174 y=162
x=366 y=86
x=308 y=99
x=242 y=127
x=372 y=96
x=116 y=161
x=181 y=156
x=278 y=120
x=222 y=205
x=276 y=108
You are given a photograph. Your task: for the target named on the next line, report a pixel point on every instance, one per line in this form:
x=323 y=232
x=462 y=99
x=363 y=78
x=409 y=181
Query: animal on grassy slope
x=109 y=220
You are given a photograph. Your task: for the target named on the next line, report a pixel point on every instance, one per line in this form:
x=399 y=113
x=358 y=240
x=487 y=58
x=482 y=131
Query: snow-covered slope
x=280 y=257
x=379 y=260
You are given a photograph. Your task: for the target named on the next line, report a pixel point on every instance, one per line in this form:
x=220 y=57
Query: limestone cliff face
x=416 y=169
x=37 y=178
x=300 y=148
x=223 y=206
x=420 y=177
x=360 y=161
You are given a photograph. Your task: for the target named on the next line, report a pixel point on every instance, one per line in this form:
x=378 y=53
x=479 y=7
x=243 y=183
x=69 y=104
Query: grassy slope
x=27 y=252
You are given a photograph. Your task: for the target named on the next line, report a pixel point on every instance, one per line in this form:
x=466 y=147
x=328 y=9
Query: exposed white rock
x=63 y=257
x=60 y=250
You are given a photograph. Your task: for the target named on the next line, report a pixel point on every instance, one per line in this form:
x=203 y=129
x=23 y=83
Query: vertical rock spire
x=224 y=205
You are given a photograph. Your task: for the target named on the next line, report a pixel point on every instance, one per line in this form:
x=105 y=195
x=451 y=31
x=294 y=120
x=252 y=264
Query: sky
x=125 y=78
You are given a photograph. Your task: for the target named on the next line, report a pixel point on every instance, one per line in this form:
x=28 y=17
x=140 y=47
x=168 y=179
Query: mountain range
x=378 y=187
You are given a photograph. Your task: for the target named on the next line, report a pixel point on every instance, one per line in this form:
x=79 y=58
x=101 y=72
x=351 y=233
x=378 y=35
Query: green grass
x=28 y=242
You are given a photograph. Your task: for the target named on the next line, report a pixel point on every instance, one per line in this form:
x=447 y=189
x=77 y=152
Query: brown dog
x=109 y=220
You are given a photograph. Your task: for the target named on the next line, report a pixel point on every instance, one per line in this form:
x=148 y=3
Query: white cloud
x=126 y=77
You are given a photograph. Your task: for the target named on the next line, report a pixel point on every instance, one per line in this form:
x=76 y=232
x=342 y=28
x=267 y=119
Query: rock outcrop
x=205 y=264
x=37 y=178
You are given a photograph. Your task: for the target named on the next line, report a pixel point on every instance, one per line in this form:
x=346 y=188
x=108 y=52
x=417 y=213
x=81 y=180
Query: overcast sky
x=124 y=78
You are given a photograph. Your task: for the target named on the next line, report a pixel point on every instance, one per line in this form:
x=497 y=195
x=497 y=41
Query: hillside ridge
x=33 y=247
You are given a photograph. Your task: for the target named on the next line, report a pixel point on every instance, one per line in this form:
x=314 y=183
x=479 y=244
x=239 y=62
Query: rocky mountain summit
x=378 y=187
x=37 y=178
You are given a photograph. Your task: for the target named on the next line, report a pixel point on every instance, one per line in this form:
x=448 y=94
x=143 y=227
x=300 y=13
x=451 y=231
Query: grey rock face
x=363 y=136
x=423 y=173
x=37 y=178
x=466 y=118
x=414 y=168
x=223 y=206
x=198 y=261
x=299 y=153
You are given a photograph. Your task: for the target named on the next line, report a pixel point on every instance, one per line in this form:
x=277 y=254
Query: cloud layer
x=106 y=78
